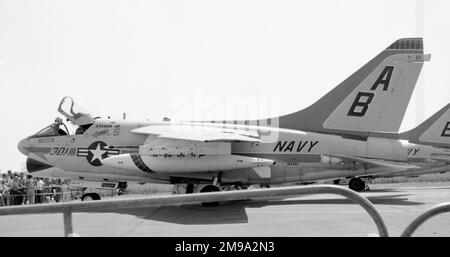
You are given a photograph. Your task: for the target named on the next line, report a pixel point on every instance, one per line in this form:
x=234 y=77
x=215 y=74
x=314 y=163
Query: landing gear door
x=74 y=112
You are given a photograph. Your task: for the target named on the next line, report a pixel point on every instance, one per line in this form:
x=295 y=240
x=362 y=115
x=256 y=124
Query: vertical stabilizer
x=373 y=99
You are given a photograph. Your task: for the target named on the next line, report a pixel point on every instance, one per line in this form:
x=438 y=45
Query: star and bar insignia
x=96 y=152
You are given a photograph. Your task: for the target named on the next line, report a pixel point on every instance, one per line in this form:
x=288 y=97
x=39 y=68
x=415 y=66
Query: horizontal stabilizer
x=394 y=166
x=415 y=172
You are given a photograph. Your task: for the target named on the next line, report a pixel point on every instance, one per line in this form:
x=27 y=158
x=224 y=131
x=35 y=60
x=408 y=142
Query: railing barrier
x=69 y=207
x=47 y=194
x=438 y=209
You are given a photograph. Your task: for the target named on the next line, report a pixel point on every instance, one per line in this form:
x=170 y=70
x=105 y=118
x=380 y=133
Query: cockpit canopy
x=74 y=112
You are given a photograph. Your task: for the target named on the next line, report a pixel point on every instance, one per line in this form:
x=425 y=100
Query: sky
x=144 y=58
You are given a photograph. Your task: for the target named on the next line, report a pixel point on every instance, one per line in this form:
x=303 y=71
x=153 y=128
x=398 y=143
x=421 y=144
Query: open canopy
x=74 y=112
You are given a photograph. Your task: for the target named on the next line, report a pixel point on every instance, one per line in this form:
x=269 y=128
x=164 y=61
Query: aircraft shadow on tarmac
x=235 y=212
x=190 y=214
x=399 y=199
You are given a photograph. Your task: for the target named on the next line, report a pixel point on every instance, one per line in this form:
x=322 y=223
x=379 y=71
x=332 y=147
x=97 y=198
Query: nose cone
x=23 y=146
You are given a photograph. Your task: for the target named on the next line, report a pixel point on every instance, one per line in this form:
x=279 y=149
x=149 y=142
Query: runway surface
x=313 y=215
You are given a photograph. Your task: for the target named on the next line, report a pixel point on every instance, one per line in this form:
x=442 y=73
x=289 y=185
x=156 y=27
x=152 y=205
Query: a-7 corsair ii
x=341 y=135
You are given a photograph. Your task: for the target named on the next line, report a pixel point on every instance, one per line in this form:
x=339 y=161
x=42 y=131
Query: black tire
x=357 y=184
x=90 y=196
x=96 y=197
x=190 y=188
x=210 y=188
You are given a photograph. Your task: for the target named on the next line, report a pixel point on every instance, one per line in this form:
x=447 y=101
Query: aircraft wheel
x=90 y=197
x=357 y=184
x=210 y=188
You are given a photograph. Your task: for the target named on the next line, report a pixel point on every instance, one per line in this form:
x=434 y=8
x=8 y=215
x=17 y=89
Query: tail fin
x=435 y=130
x=373 y=99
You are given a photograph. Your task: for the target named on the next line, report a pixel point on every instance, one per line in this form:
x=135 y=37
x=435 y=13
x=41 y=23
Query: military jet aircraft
x=343 y=134
x=428 y=145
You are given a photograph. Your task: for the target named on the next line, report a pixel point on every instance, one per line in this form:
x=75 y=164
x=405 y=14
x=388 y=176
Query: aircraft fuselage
x=299 y=156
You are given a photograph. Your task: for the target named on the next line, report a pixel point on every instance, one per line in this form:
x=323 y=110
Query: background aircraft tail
x=373 y=99
x=434 y=131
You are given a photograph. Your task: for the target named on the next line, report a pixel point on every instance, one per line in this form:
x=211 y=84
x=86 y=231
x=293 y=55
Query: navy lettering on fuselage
x=289 y=146
x=413 y=151
x=279 y=146
x=363 y=99
x=301 y=146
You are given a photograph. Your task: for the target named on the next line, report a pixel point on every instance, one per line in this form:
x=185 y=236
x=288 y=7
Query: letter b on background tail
x=435 y=130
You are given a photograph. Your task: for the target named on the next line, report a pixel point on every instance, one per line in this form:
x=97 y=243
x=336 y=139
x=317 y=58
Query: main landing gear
x=210 y=188
x=191 y=188
x=357 y=184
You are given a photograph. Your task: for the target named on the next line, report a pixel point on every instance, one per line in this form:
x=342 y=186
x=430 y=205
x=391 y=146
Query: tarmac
x=312 y=215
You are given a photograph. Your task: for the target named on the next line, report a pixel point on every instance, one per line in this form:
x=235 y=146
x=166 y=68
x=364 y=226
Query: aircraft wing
x=180 y=148
x=394 y=166
x=198 y=133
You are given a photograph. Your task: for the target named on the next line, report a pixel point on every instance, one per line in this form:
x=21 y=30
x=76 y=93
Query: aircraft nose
x=23 y=146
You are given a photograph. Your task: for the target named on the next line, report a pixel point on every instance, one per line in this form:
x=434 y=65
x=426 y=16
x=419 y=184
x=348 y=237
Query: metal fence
x=68 y=207
x=47 y=194
x=438 y=209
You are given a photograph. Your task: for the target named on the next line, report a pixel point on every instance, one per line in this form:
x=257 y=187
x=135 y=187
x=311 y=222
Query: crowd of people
x=20 y=188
